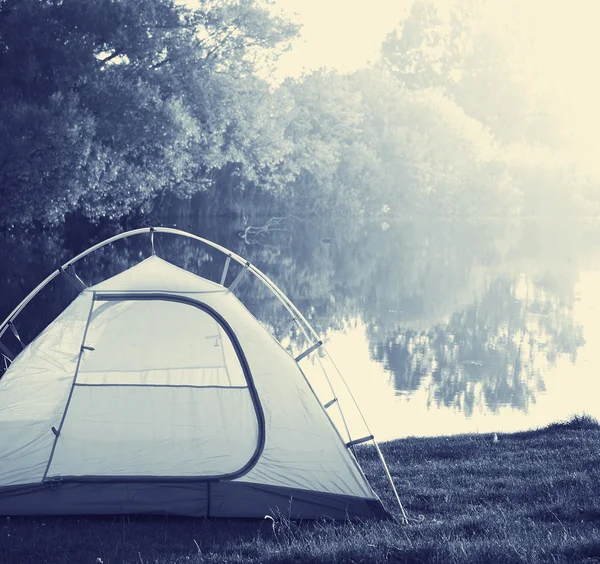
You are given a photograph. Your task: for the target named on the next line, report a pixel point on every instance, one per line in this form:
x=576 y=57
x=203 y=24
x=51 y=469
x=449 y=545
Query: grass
x=529 y=497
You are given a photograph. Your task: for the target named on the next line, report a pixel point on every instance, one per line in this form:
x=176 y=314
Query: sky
x=341 y=34
x=565 y=45
x=559 y=39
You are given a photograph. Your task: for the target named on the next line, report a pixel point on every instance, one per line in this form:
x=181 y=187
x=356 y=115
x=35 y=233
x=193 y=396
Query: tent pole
x=225 y=269
x=6 y=352
x=391 y=481
x=152 y=240
x=239 y=277
x=7 y=362
x=12 y=316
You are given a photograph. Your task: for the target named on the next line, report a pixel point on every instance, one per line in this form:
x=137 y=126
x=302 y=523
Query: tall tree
x=108 y=103
x=471 y=51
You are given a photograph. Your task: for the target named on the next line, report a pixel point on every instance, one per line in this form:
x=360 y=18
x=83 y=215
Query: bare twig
x=252 y=233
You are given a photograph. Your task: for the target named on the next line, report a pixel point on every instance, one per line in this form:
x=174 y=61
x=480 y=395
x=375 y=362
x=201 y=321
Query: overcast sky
x=341 y=34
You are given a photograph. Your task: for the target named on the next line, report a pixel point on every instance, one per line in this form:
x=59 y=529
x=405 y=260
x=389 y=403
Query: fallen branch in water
x=252 y=233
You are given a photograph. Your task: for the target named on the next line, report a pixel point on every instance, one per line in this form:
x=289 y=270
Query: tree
x=121 y=100
x=472 y=53
x=324 y=129
x=433 y=158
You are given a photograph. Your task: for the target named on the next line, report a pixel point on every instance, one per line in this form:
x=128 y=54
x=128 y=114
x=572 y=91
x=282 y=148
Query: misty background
x=420 y=177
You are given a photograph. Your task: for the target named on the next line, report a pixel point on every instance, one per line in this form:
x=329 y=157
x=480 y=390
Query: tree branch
x=252 y=233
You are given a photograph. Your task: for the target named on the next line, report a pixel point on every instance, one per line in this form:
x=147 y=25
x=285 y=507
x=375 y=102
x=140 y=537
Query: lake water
x=439 y=327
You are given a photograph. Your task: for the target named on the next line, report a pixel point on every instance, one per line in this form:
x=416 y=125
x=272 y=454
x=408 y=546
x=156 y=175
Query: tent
x=157 y=391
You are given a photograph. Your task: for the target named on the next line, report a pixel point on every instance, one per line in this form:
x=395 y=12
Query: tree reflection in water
x=474 y=313
x=493 y=352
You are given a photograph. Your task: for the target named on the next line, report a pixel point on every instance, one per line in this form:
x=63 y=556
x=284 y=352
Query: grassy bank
x=525 y=498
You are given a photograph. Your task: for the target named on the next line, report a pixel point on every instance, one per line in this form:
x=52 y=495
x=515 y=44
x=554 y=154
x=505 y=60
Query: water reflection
x=492 y=353
x=467 y=316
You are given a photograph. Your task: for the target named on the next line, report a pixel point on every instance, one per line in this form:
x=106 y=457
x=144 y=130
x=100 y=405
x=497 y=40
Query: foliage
x=367 y=143
x=577 y=422
x=108 y=104
x=478 y=61
x=120 y=107
x=434 y=158
x=471 y=53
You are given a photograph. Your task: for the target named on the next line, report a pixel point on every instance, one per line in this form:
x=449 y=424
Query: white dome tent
x=157 y=391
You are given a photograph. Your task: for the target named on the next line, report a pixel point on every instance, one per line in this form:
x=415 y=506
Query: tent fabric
x=195 y=499
x=158 y=391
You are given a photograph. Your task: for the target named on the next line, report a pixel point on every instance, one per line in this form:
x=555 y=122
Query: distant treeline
x=114 y=107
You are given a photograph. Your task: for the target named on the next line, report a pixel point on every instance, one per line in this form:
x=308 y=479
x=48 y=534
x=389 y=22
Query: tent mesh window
x=157 y=373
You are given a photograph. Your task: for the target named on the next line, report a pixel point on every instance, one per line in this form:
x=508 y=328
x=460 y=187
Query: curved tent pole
x=305 y=327
x=59 y=270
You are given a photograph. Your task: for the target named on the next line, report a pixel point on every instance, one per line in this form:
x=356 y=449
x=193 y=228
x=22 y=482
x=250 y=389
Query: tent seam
x=62 y=421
